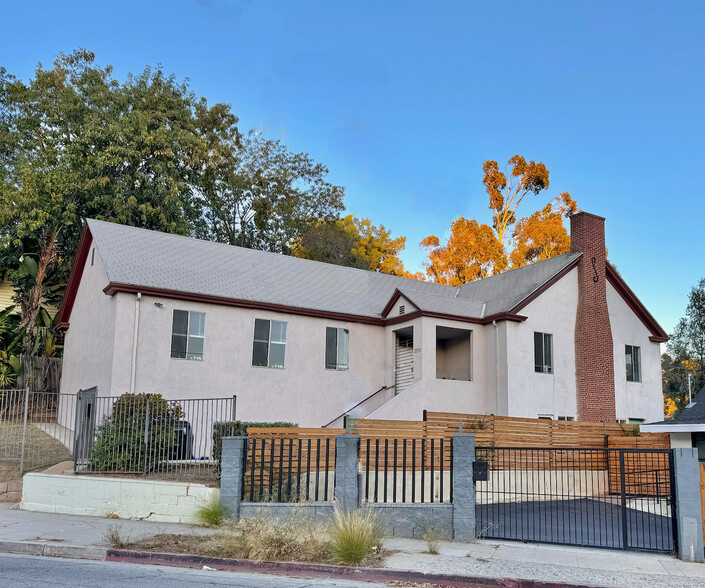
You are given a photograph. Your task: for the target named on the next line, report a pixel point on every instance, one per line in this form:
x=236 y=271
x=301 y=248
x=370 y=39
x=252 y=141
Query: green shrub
x=236 y=429
x=355 y=535
x=120 y=440
x=213 y=513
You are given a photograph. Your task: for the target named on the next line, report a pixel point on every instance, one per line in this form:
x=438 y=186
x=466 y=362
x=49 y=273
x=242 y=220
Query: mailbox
x=479 y=471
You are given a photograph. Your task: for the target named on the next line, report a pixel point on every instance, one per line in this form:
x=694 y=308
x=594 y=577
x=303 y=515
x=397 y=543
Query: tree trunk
x=47 y=257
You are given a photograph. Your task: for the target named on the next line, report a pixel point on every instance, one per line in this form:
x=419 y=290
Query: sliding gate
x=615 y=498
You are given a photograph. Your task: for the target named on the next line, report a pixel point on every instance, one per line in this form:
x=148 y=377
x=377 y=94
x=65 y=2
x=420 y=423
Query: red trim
x=84 y=246
x=658 y=335
x=113 y=288
x=545 y=286
x=396 y=296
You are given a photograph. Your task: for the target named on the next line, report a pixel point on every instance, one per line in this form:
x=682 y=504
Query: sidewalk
x=548 y=563
x=78 y=536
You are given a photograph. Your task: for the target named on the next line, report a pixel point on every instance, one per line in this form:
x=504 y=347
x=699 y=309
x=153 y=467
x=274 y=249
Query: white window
x=632 y=356
x=566 y=418
x=337 y=343
x=188 y=334
x=269 y=346
x=543 y=353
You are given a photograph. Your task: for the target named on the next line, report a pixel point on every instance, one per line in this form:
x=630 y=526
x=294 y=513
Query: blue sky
x=403 y=101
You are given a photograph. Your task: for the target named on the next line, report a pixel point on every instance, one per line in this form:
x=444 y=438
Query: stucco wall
x=430 y=393
x=303 y=392
x=172 y=502
x=643 y=400
x=532 y=393
x=88 y=345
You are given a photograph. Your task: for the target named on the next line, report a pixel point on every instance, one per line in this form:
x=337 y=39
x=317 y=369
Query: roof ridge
x=514 y=269
x=257 y=251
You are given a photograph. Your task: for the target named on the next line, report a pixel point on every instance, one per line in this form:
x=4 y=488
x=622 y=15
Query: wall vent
x=402 y=309
x=92 y=256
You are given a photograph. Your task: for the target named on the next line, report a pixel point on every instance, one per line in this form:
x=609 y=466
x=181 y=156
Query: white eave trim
x=686 y=428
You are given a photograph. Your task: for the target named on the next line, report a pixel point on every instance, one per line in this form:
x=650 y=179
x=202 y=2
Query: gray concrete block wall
x=688 y=507
x=347 y=492
x=399 y=519
x=413 y=520
x=231 y=464
x=463 y=487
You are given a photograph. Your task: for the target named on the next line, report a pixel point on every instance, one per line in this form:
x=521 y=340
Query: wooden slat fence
x=290 y=465
x=645 y=474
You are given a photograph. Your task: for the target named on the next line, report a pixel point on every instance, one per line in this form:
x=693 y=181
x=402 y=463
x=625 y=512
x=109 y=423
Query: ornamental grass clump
x=355 y=536
x=213 y=513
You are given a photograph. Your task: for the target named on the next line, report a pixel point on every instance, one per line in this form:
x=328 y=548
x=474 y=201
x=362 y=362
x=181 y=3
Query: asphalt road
x=23 y=571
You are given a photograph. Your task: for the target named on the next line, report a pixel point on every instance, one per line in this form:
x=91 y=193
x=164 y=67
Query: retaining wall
x=169 y=502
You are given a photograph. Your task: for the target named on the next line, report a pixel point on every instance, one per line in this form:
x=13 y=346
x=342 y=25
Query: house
x=310 y=342
x=687 y=429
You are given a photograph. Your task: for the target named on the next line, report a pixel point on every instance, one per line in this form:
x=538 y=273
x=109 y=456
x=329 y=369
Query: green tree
x=76 y=143
x=687 y=342
x=268 y=197
x=353 y=242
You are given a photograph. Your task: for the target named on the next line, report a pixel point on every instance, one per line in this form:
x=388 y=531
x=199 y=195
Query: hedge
x=237 y=429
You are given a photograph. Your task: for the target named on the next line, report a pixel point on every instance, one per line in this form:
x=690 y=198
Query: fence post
x=346 y=490
x=232 y=463
x=234 y=417
x=688 y=509
x=146 y=437
x=24 y=429
x=463 y=487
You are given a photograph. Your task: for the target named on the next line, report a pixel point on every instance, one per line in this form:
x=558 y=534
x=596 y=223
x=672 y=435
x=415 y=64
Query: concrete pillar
x=463 y=487
x=688 y=510
x=346 y=494
x=231 y=465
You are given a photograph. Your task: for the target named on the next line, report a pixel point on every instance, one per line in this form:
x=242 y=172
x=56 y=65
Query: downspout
x=133 y=373
x=496 y=361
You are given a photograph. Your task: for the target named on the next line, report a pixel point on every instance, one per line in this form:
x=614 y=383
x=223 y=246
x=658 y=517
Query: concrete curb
x=311 y=570
x=52 y=549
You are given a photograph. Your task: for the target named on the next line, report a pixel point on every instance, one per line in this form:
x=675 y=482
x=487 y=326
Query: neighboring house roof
x=691 y=418
x=140 y=260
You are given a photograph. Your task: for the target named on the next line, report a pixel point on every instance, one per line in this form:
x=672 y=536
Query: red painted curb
x=312 y=570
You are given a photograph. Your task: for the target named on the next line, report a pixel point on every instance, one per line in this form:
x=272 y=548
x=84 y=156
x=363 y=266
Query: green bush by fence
x=237 y=429
x=120 y=444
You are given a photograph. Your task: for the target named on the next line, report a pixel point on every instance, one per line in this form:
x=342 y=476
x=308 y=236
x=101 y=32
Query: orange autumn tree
x=475 y=250
x=353 y=242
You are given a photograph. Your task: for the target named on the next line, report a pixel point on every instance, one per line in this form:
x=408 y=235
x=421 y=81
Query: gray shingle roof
x=150 y=259
x=695 y=415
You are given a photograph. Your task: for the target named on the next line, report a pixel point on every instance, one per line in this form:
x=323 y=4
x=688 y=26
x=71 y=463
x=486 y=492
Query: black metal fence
x=614 y=498
x=293 y=469
x=148 y=435
x=407 y=470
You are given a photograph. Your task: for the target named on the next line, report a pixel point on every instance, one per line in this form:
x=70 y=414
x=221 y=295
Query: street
x=23 y=571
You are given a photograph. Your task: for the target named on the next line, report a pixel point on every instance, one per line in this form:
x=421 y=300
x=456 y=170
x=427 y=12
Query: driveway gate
x=615 y=498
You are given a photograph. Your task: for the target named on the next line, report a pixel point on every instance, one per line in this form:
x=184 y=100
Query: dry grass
x=113 y=536
x=432 y=541
x=41 y=449
x=265 y=539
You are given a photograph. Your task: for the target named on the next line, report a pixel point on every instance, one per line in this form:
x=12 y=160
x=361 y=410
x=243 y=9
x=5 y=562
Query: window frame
x=188 y=336
x=270 y=342
x=544 y=368
x=339 y=366
x=629 y=353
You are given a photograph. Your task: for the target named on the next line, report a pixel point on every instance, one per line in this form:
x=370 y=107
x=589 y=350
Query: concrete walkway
x=548 y=563
x=80 y=536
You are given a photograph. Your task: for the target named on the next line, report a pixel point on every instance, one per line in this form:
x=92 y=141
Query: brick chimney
x=594 y=358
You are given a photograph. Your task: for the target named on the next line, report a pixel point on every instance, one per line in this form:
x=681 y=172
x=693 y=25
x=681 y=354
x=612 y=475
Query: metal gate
x=613 y=498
